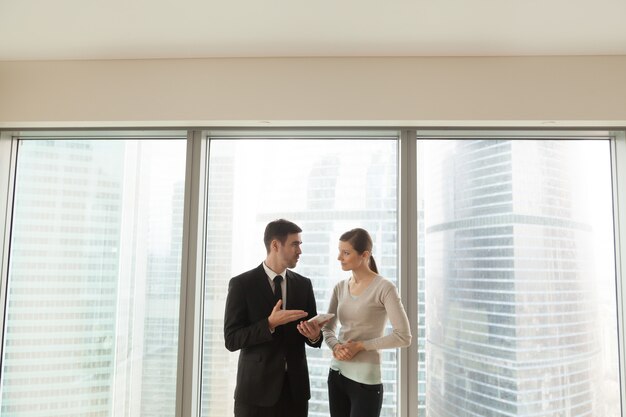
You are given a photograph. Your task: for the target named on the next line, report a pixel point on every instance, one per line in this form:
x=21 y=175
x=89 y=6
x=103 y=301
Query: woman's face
x=349 y=258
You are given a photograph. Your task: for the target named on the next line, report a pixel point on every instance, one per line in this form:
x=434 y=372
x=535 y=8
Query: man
x=261 y=319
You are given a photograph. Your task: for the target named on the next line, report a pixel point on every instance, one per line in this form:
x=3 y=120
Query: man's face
x=289 y=253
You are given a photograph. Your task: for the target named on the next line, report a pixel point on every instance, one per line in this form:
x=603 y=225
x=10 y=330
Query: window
x=91 y=325
x=326 y=187
x=501 y=244
x=518 y=313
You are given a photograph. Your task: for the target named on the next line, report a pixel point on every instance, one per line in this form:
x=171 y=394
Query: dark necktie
x=278 y=291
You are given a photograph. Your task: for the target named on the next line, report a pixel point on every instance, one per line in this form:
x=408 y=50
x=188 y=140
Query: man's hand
x=346 y=351
x=310 y=329
x=280 y=317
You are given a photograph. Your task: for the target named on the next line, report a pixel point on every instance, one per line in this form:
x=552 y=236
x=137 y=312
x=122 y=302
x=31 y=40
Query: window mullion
x=192 y=276
x=407 y=232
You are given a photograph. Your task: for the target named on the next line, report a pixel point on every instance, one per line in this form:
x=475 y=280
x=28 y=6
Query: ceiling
x=137 y=29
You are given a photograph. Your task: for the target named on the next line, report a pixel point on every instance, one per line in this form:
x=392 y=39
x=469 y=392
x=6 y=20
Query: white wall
x=507 y=91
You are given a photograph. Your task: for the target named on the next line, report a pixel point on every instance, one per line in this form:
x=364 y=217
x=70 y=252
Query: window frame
x=8 y=159
x=618 y=159
x=617 y=143
x=194 y=233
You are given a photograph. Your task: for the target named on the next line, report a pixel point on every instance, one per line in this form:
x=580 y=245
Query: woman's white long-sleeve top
x=363 y=318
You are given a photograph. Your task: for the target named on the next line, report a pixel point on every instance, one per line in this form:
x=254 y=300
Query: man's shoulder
x=250 y=274
x=297 y=277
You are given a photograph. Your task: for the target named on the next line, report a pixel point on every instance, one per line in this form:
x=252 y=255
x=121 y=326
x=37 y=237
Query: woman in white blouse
x=362 y=304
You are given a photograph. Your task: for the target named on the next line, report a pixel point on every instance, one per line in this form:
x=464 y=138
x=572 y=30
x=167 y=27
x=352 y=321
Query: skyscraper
x=93 y=294
x=218 y=365
x=59 y=348
x=510 y=301
x=161 y=322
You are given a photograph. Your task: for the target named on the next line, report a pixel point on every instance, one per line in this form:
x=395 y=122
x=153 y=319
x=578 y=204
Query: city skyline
x=93 y=300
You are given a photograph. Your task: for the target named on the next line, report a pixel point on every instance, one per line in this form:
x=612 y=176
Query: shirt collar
x=271 y=274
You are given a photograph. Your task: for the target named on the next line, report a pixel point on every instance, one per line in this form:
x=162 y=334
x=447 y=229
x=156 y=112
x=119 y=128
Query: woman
x=362 y=305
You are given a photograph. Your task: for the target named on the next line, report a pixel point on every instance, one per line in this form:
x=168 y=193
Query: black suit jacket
x=261 y=367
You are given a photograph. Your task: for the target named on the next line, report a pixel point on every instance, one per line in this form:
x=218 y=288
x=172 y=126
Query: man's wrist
x=317 y=339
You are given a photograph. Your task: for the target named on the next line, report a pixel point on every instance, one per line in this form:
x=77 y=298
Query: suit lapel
x=292 y=285
x=264 y=287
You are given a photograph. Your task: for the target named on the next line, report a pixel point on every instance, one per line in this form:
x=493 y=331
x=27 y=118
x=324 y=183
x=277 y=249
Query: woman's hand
x=347 y=351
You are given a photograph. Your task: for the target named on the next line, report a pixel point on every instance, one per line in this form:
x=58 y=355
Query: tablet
x=322 y=317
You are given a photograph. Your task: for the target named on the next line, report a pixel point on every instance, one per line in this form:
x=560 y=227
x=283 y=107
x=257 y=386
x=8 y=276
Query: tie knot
x=278 y=279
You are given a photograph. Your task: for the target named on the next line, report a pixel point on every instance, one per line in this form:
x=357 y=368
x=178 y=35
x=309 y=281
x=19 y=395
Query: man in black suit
x=272 y=374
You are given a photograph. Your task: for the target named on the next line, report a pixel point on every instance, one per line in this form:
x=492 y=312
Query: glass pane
x=326 y=187
x=519 y=294
x=94 y=277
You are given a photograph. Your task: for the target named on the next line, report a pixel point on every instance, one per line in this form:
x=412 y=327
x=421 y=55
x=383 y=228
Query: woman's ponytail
x=373 y=266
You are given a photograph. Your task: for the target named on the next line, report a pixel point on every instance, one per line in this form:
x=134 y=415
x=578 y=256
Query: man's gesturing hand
x=280 y=317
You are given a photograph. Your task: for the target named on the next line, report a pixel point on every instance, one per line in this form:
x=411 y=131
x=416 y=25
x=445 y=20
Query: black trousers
x=287 y=406
x=348 y=398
